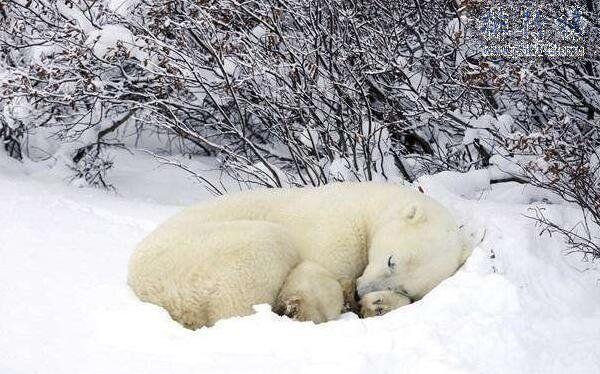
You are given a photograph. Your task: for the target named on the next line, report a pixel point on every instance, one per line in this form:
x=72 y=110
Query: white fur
x=203 y=273
x=217 y=259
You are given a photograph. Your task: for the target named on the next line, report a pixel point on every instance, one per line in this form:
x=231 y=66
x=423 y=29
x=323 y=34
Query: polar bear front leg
x=381 y=302
x=310 y=293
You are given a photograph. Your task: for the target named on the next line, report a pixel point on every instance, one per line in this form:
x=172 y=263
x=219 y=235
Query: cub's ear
x=414 y=214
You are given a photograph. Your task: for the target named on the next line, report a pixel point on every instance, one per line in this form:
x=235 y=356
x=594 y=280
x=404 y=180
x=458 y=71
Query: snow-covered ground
x=518 y=305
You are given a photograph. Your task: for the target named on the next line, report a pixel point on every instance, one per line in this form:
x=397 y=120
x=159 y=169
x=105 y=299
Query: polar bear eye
x=391 y=264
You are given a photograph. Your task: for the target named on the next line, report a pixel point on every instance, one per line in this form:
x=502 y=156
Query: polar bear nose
x=363 y=288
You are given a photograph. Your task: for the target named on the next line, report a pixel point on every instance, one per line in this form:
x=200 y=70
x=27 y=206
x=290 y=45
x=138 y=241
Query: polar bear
x=306 y=251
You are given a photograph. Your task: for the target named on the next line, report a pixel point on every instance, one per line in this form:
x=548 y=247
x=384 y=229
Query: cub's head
x=411 y=252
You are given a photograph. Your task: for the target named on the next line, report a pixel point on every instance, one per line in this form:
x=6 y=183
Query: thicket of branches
x=294 y=92
x=283 y=92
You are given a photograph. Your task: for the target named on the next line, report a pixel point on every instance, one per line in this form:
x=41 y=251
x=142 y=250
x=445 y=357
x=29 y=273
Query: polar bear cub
x=219 y=271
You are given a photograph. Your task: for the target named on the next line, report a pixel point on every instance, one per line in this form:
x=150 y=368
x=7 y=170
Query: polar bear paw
x=297 y=308
x=381 y=302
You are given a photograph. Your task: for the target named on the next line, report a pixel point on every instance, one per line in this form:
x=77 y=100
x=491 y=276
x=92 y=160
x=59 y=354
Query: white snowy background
x=519 y=305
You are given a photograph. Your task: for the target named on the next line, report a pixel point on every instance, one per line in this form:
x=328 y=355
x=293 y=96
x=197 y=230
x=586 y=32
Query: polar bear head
x=411 y=252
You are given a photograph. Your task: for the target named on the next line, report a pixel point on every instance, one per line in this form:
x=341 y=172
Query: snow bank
x=517 y=306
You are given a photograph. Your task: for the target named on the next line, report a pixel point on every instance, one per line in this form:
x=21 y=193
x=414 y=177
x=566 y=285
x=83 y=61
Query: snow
x=108 y=37
x=122 y=7
x=483 y=126
x=519 y=305
x=16 y=111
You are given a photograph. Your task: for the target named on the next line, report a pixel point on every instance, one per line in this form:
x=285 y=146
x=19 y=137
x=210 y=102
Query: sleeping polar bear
x=305 y=251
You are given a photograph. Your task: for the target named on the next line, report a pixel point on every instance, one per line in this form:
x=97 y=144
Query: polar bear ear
x=414 y=214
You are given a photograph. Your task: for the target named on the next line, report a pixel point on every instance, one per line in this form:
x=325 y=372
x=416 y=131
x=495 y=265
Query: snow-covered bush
x=294 y=92
x=72 y=82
